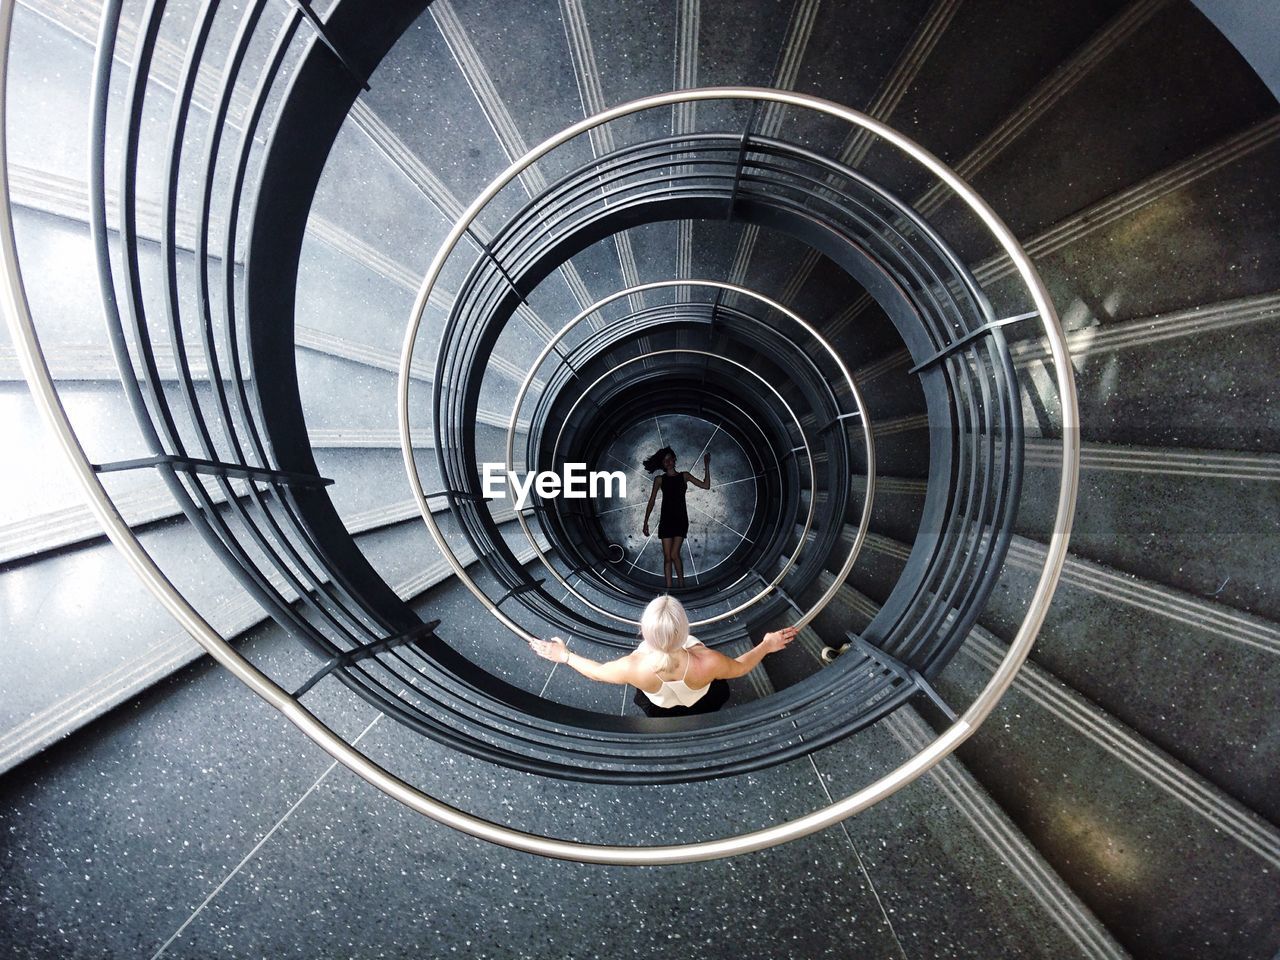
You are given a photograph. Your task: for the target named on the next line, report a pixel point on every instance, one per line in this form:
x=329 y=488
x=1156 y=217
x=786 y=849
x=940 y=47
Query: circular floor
x=718 y=518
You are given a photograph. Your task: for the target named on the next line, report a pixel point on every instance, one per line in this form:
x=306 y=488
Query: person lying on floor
x=674 y=673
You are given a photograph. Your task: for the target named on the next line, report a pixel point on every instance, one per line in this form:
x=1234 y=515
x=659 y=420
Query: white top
x=677 y=693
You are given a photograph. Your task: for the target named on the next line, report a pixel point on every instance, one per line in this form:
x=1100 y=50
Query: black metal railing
x=371 y=641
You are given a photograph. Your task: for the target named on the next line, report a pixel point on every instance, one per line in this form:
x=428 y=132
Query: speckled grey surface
x=402 y=224
x=932 y=863
x=1160 y=671
x=179 y=773
x=984 y=64
x=56 y=70
x=1101 y=143
x=421 y=889
x=1208 y=240
x=110 y=840
x=346 y=868
x=344 y=297
x=1169 y=528
x=52 y=243
x=1151 y=861
x=371 y=478
x=35 y=480
x=62 y=629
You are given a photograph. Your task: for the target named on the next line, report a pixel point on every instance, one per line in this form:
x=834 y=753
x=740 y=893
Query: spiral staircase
x=935 y=285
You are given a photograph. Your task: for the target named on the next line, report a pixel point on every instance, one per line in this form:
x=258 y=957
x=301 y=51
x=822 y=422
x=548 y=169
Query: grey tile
x=1146 y=862
x=508 y=904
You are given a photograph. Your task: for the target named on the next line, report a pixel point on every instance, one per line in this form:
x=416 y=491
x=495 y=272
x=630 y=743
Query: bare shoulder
x=710 y=664
x=636 y=661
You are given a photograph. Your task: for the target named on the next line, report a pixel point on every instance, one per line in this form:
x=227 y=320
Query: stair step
x=1148 y=511
x=1175 y=55
x=1080 y=255
x=1162 y=668
x=1141 y=839
x=102 y=667
x=1151 y=674
x=942 y=847
x=973 y=71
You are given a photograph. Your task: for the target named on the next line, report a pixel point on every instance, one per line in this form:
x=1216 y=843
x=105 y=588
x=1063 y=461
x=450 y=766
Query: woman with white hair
x=674 y=673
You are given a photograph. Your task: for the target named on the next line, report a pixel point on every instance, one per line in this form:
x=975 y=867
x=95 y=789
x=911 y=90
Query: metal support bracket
x=519 y=588
x=214 y=468
x=364 y=652
x=742 y=159
x=907 y=673
x=839 y=420
x=452 y=495
x=788 y=600
x=318 y=26
x=969 y=337
x=492 y=258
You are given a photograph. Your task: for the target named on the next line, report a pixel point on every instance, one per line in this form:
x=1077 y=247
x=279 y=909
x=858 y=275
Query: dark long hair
x=655 y=462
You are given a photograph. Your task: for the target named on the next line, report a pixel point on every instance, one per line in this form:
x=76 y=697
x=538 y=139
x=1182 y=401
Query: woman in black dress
x=673 y=524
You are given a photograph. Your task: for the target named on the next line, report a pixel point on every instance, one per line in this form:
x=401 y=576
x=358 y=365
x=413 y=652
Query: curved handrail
x=864 y=416
x=519 y=238
x=656 y=316
x=447 y=699
x=1055 y=553
x=36 y=370
x=808 y=453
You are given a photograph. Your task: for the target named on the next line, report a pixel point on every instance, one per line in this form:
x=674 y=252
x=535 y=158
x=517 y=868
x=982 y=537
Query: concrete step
x=1134 y=515
x=241 y=832
x=336 y=353
x=1184 y=377
x=943 y=848
x=70 y=669
x=968 y=70
x=1143 y=840
x=1187 y=518
x=1162 y=666
x=222 y=797
x=1160 y=670
x=1080 y=255
x=1099 y=143
x=1045 y=741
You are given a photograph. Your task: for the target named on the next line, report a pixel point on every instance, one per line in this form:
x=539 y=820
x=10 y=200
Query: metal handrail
x=36 y=370
x=864 y=415
x=808 y=453
x=197 y=506
x=501 y=274
x=451 y=696
x=1055 y=555
x=292 y=555
x=641 y=323
x=603 y=171
x=926 y=285
x=526 y=218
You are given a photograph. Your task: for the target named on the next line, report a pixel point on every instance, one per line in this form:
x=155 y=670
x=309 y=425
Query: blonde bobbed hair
x=665 y=627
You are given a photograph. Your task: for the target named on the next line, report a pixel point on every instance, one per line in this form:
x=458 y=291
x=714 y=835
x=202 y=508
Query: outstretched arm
x=555 y=650
x=743 y=664
x=653 y=495
x=705 y=482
